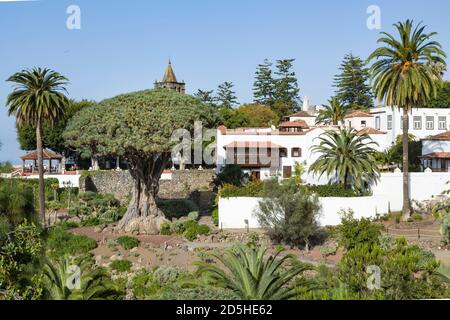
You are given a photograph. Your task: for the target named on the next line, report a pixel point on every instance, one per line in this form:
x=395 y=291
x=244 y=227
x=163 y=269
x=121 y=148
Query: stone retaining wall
x=184 y=184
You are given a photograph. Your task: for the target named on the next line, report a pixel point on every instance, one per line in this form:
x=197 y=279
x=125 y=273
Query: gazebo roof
x=47 y=155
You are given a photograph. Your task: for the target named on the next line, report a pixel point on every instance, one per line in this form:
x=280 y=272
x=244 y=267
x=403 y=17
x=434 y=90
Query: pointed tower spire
x=169 y=75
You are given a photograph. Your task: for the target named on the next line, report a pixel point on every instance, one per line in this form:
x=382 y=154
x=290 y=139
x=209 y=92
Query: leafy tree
x=395 y=153
x=288 y=213
x=264 y=85
x=206 y=97
x=38 y=98
x=286 y=87
x=138 y=126
x=333 y=113
x=348 y=156
x=249 y=115
x=52 y=136
x=252 y=276
x=231 y=174
x=226 y=97
x=20 y=252
x=351 y=84
x=404 y=77
x=442 y=99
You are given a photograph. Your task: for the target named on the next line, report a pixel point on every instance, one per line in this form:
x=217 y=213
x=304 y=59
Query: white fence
x=387 y=194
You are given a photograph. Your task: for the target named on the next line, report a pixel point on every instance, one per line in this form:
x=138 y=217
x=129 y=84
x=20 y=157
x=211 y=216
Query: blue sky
x=124 y=45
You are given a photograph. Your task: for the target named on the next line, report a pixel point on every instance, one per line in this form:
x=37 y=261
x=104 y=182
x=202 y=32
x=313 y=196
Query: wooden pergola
x=48 y=155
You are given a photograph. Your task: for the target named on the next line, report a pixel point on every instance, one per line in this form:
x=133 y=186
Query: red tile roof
x=47 y=155
x=437 y=155
x=370 y=130
x=294 y=124
x=440 y=136
x=358 y=114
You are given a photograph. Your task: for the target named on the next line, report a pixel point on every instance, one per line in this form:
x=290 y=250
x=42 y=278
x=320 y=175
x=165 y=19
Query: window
x=430 y=123
x=283 y=153
x=389 y=122
x=442 y=123
x=377 y=123
x=296 y=152
x=363 y=123
x=417 y=123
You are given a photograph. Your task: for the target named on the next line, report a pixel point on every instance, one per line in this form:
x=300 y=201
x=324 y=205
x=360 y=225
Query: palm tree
x=332 y=113
x=94 y=284
x=404 y=76
x=251 y=276
x=38 y=98
x=347 y=155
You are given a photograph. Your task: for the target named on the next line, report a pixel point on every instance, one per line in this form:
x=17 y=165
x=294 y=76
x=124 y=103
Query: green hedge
x=252 y=189
x=335 y=190
x=60 y=242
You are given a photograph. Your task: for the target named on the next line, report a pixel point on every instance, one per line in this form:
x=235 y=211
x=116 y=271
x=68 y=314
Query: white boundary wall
x=386 y=194
x=74 y=179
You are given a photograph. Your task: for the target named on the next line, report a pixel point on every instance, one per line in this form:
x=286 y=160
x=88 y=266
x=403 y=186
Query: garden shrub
x=190 y=234
x=417 y=217
x=177 y=208
x=203 y=229
x=166 y=229
x=128 y=242
x=288 y=213
x=121 y=265
x=178 y=227
x=193 y=215
x=252 y=189
x=16 y=201
x=353 y=232
x=61 y=242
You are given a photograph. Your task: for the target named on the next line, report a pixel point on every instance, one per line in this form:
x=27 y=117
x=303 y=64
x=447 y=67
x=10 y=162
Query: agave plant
x=63 y=281
x=252 y=276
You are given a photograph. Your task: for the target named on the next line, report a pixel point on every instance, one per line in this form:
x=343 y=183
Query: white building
x=436 y=152
x=423 y=122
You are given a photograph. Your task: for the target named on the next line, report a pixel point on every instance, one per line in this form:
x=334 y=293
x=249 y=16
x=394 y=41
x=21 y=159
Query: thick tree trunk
x=143 y=214
x=40 y=157
x=406 y=201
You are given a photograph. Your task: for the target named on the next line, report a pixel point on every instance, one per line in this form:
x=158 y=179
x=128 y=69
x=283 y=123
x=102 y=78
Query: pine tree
x=264 y=85
x=225 y=95
x=352 y=83
x=286 y=87
x=206 y=96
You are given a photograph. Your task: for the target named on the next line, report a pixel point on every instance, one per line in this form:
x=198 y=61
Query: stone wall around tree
x=181 y=185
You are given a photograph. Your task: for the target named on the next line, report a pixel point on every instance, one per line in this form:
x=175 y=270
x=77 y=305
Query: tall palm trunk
x=406 y=202
x=41 y=172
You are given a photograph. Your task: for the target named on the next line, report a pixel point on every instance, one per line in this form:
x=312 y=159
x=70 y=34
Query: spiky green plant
x=251 y=275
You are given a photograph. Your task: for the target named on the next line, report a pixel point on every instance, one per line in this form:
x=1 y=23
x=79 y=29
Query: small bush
x=203 y=229
x=193 y=215
x=121 y=265
x=417 y=217
x=231 y=174
x=178 y=227
x=166 y=229
x=177 y=208
x=128 y=242
x=354 y=232
x=61 y=242
x=190 y=234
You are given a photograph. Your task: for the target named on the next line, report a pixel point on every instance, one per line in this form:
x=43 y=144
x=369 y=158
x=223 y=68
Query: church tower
x=170 y=81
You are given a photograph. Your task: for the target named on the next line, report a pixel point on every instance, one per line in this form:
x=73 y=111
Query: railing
x=415 y=233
